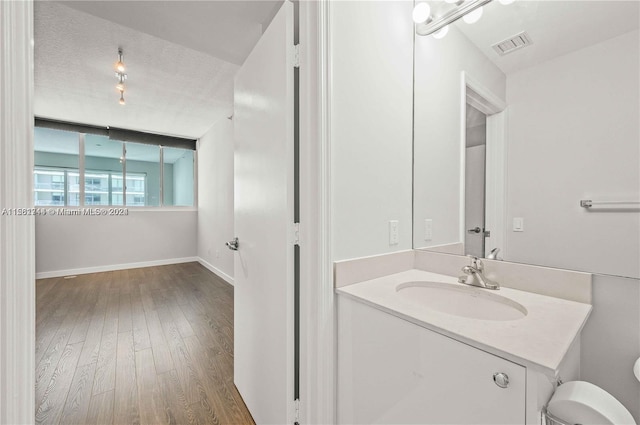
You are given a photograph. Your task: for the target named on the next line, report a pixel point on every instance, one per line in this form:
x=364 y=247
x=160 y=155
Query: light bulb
x=121 y=98
x=506 y=2
x=120 y=87
x=120 y=66
x=474 y=16
x=441 y=32
x=421 y=13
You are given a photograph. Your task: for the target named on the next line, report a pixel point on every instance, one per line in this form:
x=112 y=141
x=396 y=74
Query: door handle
x=233 y=245
x=475 y=230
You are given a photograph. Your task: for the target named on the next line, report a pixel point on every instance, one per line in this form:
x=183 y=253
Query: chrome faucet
x=493 y=255
x=473 y=275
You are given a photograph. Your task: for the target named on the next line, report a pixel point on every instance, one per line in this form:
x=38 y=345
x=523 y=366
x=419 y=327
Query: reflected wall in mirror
x=558 y=121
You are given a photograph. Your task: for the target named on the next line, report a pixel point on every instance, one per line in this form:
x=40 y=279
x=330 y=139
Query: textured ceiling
x=227 y=30
x=176 y=84
x=556 y=27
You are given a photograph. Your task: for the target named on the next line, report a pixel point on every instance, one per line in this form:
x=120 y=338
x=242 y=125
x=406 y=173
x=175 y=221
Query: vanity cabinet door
x=391 y=371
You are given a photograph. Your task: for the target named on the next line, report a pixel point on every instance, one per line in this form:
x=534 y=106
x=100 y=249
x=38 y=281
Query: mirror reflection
x=520 y=116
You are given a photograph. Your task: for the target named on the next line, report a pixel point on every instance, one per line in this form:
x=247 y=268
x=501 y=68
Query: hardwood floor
x=142 y=346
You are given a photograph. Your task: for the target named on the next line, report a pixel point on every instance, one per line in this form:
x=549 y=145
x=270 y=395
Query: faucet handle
x=476 y=263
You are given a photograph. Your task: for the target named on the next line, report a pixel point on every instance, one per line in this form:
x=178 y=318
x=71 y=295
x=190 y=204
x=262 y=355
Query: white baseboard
x=112 y=267
x=216 y=271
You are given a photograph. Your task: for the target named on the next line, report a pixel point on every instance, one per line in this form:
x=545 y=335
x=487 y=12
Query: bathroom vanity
x=416 y=346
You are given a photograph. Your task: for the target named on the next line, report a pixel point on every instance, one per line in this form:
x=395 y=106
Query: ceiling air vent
x=512 y=44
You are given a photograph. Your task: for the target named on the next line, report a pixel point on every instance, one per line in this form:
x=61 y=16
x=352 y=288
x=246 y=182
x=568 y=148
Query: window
x=96 y=188
x=136 y=190
x=114 y=172
x=49 y=187
x=56 y=152
x=143 y=160
x=73 y=187
x=104 y=163
x=100 y=188
x=178 y=176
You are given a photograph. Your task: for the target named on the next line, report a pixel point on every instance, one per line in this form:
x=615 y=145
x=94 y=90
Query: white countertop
x=539 y=340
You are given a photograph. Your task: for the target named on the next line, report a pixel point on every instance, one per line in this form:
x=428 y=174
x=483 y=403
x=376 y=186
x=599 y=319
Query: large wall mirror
x=518 y=118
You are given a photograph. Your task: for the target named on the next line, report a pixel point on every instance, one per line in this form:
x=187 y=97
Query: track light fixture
x=121 y=76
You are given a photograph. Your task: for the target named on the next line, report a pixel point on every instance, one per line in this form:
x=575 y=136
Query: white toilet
x=580 y=402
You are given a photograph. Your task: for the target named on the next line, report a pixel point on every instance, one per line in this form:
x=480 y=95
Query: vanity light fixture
x=446 y=15
x=473 y=17
x=441 y=32
x=121 y=76
x=421 y=12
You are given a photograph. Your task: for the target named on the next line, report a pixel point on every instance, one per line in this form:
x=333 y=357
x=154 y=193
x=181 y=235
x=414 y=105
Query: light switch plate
x=518 y=224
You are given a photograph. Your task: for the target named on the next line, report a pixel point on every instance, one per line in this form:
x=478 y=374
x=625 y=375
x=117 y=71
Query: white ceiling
x=556 y=27
x=227 y=30
x=181 y=58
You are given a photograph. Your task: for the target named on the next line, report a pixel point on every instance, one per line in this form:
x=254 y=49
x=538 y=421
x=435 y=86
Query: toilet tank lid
x=587 y=404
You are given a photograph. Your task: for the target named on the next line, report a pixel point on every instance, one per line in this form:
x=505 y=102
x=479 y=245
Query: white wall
x=438 y=118
x=610 y=342
x=371 y=126
x=81 y=244
x=215 y=198
x=574 y=134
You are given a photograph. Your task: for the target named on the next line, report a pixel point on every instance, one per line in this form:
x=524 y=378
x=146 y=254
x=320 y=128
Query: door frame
x=17 y=234
x=17 y=390
x=483 y=99
x=318 y=327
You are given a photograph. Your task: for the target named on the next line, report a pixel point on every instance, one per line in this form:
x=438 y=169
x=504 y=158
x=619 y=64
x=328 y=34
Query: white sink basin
x=459 y=300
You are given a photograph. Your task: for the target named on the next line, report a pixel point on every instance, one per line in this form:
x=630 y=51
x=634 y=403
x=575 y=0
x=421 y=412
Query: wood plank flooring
x=141 y=346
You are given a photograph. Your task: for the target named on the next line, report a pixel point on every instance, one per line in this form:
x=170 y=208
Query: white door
x=264 y=206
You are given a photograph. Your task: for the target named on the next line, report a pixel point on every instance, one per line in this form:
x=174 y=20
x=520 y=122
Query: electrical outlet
x=394 y=234
x=428 y=229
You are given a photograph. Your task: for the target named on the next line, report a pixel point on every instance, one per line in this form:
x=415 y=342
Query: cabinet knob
x=501 y=379
x=233 y=245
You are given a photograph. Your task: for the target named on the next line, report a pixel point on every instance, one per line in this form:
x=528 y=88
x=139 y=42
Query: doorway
x=483 y=180
x=475 y=166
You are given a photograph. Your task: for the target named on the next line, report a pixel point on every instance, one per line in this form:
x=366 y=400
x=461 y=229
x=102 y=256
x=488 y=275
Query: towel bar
x=588 y=203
